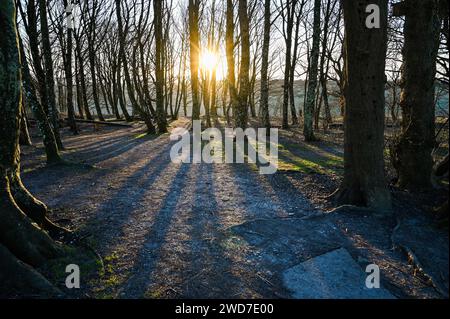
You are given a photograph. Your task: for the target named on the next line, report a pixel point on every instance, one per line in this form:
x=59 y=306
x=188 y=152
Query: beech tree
x=159 y=76
x=413 y=158
x=308 y=111
x=287 y=11
x=364 y=181
x=23 y=245
x=194 y=55
x=29 y=91
x=264 y=95
x=241 y=116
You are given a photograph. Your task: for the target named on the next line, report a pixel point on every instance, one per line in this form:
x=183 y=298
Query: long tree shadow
x=81 y=186
x=117 y=209
x=215 y=274
x=141 y=273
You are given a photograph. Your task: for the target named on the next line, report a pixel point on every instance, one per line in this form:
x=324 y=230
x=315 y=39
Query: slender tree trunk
x=308 y=131
x=324 y=62
x=123 y=105
x=142 y=113
x=25 y=138
x=213 y=105
x=242 y=106
x=264 y=98
x=364 y=181
x=91 y=58
x=194 y=48
x=160 y=112
x=287 y=62
x=229 y=42
x=82 y=79
x=69 y=79
x=49 y=75
x=50 y=145
x=80 y=105
x=413 y=150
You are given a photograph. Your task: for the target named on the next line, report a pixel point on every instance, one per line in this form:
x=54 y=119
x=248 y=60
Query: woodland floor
x=168 y=230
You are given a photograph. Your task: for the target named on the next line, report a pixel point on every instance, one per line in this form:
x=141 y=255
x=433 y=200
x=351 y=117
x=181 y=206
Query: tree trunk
x=23 y=239
x=413 y=151
x=324 y=61
x=159 y=75
x=364 y=182
x=242 y=106
x=194 y=49
x=82 y=79
x=142 y=113
x=80 y=104
x=50 y=145
x=24 y=138
x=229 y=42
x=123 y=106
x=69 y=78
x=264 y=99
x=308 y=131
x=49 y=75
x=290 y=6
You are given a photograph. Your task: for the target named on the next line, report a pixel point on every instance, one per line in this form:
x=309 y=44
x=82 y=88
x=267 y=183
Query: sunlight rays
x=210 y=61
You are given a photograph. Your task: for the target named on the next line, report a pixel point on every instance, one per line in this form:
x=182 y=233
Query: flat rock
x=334 y=275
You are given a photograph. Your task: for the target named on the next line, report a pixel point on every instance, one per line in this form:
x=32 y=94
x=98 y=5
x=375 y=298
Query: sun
x=209 y=61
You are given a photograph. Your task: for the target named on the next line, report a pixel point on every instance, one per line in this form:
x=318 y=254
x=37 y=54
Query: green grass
x=327 y=164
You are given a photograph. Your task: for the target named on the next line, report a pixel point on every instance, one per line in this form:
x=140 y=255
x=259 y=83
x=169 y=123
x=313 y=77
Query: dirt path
x=169 y=230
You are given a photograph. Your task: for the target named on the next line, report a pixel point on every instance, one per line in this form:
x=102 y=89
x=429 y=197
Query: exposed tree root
x=34 y=208
x=414 y=260
x=16 y=276
x=23 y=238
x=371 y=200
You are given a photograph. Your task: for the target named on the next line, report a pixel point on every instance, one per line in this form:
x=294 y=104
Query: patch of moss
x=88 y=262
x=142 y=135
x=109 y=280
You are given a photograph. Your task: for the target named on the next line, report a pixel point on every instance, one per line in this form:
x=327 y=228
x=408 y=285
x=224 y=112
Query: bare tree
x=365 y=49
x=413 y=158
x=308 y=131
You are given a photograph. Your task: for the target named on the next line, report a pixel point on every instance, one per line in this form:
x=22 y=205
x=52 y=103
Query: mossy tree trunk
x=19 y=237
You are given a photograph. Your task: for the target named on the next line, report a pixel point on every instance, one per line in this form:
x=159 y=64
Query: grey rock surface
x=333 y=275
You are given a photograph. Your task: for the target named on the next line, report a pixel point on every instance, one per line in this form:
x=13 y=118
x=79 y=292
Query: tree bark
x=264 y=98
x=364 y=181
x=142 y=113
x=290 y=8
x=308 y=113
x=194 y=49
x=22 y=238
x=229 y=42
x=49 y=75
x=69 y=78
x=413 y=158
x=161 y=119
x=25 y=138
x=242 y=105
x=50 y=145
